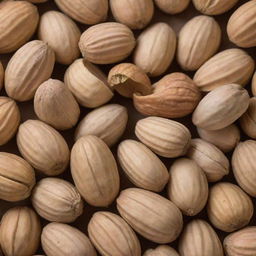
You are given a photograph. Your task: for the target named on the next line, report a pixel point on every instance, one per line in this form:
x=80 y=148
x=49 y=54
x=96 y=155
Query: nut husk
x=61 y=34
x=241 y=25
x=9 y=119
x=88 y=84
x=107 y=122
x=243 y=166
x=163 y=223
x=84 y=11
x=229 y=207
x=17 y=178
x=199 y=239
x=161 y=250
x=142 y=166
x=111 y=235
x=18 y=21
x=225 y=139
x=226 y=67
x=57 y=200
x=172 y=6
x=107 y=43
x=136 y=14
x=199 y=39
x=214 y=7
x=43 y=147
x=165 y=137
x=241 y=243
x=59 y=239
x=1 y=75
x=188 y=186
x=221 y=107
x=30 y=66
x=155 y=56
x=127 y=79
x=212 y=161
x=55 y=105
x=248 y=119
x=175 y=95
x=94 y=171
x=20 y=232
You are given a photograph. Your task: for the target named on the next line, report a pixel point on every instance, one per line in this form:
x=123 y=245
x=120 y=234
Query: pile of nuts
x=158 y=198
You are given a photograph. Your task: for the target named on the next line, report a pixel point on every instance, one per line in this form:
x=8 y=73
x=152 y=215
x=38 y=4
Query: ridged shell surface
x=161 y=250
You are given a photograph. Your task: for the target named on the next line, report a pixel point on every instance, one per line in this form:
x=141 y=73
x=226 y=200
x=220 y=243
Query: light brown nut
x=155 y=56
x=226 y=67
x=59 y=239
x=244 y=167
x=221 y=107
x=111 y=235
x=107 y=43
x=241 y=243
x=9 y=119
x=214 y=7
x=188 y=186
x=88 y=84
x=107 y=122
x=175 y=95
x=37 y=1
x=199 y=39
x=1 y=75
x=241 y=25
x=20 y=232
x=163 y=222
x=248 y=119
x=199 y=239
x=161 y=250
x=136 y=14
x=57 y=200
x=253 y=86
x=61 y=34
x=55 y=105
x=127 y=79
x=30 y=66
x=172 y=6
x=84 y=11
x=17 y=178
x=43 y=147
x=142 y=166
x=165 y=137
x=225 y=139
x=212 y=161
x=229 y=207
x=94 y=171
x=18 y=21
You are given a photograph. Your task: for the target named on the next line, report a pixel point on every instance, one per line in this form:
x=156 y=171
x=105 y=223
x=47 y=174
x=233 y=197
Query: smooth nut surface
x=172 y=6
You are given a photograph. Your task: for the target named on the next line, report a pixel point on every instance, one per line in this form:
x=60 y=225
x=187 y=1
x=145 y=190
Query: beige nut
x=226 y=67
x=165 y=137
x=136 y=14
x=253 y=86
x=94 y=171
x=155 y=56
x=55 y=105
x=61 y=34
x=142 y=166
x=57 y=200
x=1 y=75
x=88 y=84
x=30 y=66
x=172 y=6
x=229 y=207
x=111 y=235
x=9 y=119
x=163 y=223
x=87 y=12
x=18 y=21
x=20 y=232
x=161 y=250
x=43 y=147
x=127 y=79
x=107 y=43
